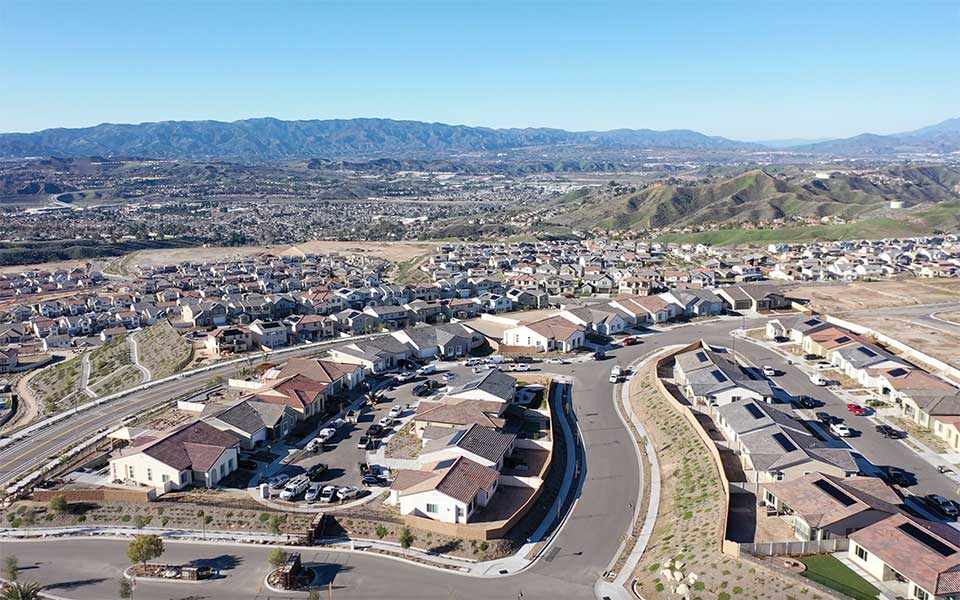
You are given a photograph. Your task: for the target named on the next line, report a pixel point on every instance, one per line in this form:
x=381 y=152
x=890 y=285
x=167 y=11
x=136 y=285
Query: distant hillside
x=942 y=138
x=275 y=140
x=758 y=196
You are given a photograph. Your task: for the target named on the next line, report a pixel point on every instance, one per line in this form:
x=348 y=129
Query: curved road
x=581 y=551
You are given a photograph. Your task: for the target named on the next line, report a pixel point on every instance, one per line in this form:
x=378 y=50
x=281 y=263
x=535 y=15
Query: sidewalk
x=886 y=592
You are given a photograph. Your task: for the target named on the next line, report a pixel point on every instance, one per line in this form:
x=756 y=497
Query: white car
x=427 y=370
x=839 y=430
x=325 y=434
x=328 y=494
x=818 y=379
x=555 y=361
x=294 y=488
x=312 y=492
x=385 y=422
x=406 y=376
x=472 y=362
x=614 y=378
x=769 y=371
x=314 y=444
x=497 y=359
x=347 y=493
x=449 y=376
x=395 y=411
x=520 y=367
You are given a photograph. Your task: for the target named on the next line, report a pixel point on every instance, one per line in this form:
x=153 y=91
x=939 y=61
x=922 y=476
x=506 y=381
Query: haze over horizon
x=820 y=70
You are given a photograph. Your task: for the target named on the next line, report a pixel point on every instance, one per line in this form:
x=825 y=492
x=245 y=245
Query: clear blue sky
x=744 y=70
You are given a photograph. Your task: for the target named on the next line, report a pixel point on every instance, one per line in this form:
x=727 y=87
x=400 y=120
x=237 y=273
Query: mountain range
x=271 y=140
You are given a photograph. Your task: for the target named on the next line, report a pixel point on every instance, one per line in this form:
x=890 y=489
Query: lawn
x=827 y=570
x=162 y=350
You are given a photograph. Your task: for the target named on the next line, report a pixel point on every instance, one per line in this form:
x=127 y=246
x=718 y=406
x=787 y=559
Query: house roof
x=296 y=391
x=323 y=371
x=485 y=442
x=454 y=411
x=493 y=382
x=555 y=328
x=822 y=500
x=459 y=478
x=195 y=446
x=925 y=552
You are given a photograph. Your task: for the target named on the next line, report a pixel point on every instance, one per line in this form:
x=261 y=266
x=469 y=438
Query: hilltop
x=757 y=196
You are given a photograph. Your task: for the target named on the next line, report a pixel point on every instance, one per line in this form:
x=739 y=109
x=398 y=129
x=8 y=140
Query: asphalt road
x=581 y=551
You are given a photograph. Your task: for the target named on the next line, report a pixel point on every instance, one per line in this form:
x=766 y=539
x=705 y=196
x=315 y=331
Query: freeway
x=571 y=566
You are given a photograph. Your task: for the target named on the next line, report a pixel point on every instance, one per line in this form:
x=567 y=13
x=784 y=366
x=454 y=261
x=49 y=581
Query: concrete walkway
x=85 y=375
x=135 y=357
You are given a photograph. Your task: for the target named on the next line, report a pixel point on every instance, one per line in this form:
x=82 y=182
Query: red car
x=857 y=409
x=629 y=341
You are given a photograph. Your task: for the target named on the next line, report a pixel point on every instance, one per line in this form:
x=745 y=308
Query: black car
x=247 y=464
x=781 y=339
x=599 y=355
x=825 y=418
x=314 y=472
x=422 y=389
x=889 y=432
x=373 y=480
x=375 y=430
x=807 y=402
x=896 y=476
x=811 y=357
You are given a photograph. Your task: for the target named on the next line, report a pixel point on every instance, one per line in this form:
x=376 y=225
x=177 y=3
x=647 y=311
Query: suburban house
x=599 y=318
x=269 y=334
x=375 y=355
x=483 y=445
x=546 y=335
x=8 y=359
x=822 y=507
x=709 y=377
x=447 y=340
x=450 y=490
x=918 y=558
x=752 y=297
x=335 y=375
x=255 y=422
x=194 y=454
x=304 y=395
x=489 y=386
x=312 y=327
x=232 y=339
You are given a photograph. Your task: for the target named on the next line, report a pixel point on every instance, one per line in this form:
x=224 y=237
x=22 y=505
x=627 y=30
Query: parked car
x=780 y=339
x=448 y=376
x=840 y=430
x=312 y=492
x=314 y=445
x=427 y=370
x=769 y=371
x=807 y=402
x=422 y=389
x=825 y=418
x=630 y=341
x=555 y=361
x=295 y=487
x=364 y=443
x=328 y=494
x=524 y=359
x=818 y=379
x=247 y=464
x=599 y=355
x=942 y=506
x=889 y=432
x=823 y=365
x=278 y=481
x=395 y=411
x=373 y=480
x=325 y=434
x=314 y=472
x=811 y=357
x=520 y=367
x=374 y=431
x=896 y=476
x=472 y=362
x=614 y=378
x=497 y=359
x=857 y=409
x=405 y=376
x=385 y=422
x=348 y=493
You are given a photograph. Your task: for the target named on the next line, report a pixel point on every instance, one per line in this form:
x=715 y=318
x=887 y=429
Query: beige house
x=450 y=491
x=547 y=335
x=194 y=454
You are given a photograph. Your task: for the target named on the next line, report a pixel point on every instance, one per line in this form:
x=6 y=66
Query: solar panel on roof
x=898 y=372
x=785 y=443
x=720 y=377
x=926 y=539
x=834 y=492
x=843 y=339
x=754 y=410
x=868 y=351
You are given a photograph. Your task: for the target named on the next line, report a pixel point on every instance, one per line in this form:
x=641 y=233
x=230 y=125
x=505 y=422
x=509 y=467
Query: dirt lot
x=394 y=251
x=934 y=342
x=877 y=294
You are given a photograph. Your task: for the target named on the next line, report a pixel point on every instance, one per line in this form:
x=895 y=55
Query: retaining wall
x=98 y=495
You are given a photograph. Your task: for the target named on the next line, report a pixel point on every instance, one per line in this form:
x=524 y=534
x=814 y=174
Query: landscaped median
x=685 y=553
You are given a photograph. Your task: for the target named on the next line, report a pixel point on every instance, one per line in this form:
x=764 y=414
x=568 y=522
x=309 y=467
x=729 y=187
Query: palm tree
x=21 y=591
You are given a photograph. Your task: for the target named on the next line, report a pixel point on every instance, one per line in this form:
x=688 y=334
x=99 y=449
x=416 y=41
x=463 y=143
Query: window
x=861 y=553
x=130 y=471
x=919 y=593
x=165 y=478
x=431 y=508
x=149 y=474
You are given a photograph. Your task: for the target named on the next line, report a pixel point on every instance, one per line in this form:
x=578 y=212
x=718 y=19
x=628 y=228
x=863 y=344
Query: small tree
x=406 y=538
x=126 y=590
x=11 y=568
x=275 y=525
x=382 y=531
x=314 y=595
x=278 y=556
x=144 y=548
x=59 y=504
x=141 y=521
